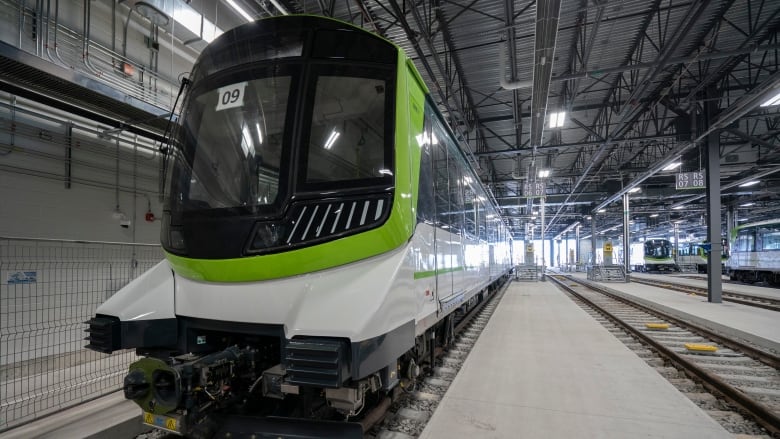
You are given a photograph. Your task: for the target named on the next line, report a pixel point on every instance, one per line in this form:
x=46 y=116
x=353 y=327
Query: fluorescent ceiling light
x=653 y=215
x=331 y=139
x=634 y=190
x=556 y=119
x=671 y=166
x=774 y=100
x=196 y=23
x=747 y=204
x=750 y=183
x=280 y=7
x=678 y=207
x=543 y=173
x=240 y=10
x=601 y=211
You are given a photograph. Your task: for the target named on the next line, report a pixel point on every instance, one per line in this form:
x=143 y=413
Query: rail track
x=729 y=296
x=742 y=378
x=409 y=413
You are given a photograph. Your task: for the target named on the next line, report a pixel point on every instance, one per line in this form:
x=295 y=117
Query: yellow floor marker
x=698 y=347
x=657 y=326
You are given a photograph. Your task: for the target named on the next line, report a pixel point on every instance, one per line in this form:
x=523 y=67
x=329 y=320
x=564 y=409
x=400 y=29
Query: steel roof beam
x=727 y=117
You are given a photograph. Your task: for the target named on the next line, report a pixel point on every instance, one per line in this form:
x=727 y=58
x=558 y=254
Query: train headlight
x=269 y=235
x=172 y=237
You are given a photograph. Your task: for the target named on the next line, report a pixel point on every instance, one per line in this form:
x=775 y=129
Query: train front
x=282 y=226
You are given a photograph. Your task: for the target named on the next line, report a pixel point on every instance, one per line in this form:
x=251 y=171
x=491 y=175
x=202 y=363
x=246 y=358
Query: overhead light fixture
x=601 y=210
x=240 y=10
x=747 y=205
x=331 y=139
x=750 y=183
x=544 y=173
x=556 y=119
x=154 y=15
x=634 y=190
x=774 y=100
x=280 y=7
x=671 y=166
x=654 y=215
x=678 y=207
x=259 y=133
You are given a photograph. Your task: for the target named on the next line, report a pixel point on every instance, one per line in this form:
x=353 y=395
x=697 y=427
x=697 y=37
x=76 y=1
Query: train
x=697 y=254
x=322 y=228
x=658 y=255
x=755 y=253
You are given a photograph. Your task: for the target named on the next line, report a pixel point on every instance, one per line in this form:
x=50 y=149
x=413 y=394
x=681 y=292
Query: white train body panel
x=147 y=297
x=357 y=301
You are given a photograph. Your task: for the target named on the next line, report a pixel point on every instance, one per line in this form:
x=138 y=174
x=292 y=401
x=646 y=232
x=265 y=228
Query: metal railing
x=48 y=289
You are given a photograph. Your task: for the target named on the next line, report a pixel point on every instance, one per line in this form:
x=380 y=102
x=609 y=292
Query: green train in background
x=322 y=228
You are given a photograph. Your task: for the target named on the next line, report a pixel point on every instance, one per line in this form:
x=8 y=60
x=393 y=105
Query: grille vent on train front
x=313 y=222
x=104 y=334
x=320 y=362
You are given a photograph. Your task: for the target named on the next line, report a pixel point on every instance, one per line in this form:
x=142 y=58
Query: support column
x=593 y=239
x=676 y=241
x=577 y=256
x=626 y=238
x=714 y=282
x=541 y=212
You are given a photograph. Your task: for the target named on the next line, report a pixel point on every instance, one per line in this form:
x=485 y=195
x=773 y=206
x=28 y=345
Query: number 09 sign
x=230 y=96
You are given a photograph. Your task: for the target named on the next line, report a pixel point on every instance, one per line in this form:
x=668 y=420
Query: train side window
x=770 y=237
x=470 y=210
x=456 y=174
x=426 y=203
x=441 y=179
x=746 y=241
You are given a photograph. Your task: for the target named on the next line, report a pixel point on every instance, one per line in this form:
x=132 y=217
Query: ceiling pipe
x=507 y=84
x=547 y=16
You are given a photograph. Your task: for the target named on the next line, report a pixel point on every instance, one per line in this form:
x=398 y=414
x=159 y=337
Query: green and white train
x=755 y=253
x=321 y=229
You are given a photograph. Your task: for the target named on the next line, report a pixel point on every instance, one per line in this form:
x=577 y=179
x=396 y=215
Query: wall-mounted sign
x=607 y=247
x=22 y=277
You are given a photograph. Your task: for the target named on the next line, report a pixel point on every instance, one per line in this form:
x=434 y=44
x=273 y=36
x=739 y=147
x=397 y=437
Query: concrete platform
x=109 y=417
x=760 y=326
x=544 y=368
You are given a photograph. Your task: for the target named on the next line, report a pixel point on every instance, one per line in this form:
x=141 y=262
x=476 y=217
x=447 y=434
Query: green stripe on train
x=431 y=273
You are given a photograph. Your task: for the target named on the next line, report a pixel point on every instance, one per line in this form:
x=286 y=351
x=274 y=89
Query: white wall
x=34 y=207
x=34 y=200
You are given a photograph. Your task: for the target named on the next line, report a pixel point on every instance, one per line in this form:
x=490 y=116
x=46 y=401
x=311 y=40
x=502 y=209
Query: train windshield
x=232 y=142
x=658 y=249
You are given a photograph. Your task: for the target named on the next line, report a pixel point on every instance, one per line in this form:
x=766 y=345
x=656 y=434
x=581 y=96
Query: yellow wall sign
x=607 y=247
x=529 y=248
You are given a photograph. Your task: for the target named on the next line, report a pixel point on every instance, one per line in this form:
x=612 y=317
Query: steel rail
x=728 y=296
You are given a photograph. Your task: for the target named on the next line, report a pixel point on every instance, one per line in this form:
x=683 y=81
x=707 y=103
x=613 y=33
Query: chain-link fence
x=48 y=289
